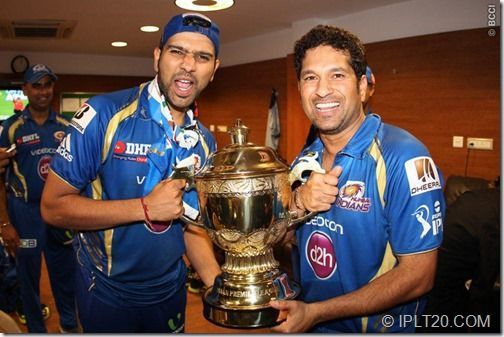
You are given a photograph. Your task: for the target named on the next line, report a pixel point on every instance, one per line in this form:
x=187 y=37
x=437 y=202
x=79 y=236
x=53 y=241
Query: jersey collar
x=360 y=142
x=27 y=115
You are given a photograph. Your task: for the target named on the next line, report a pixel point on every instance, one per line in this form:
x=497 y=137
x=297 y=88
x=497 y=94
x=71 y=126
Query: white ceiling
x=99 y=22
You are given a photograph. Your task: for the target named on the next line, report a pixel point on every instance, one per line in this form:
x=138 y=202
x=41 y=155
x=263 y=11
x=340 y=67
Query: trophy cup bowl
x=244 y=198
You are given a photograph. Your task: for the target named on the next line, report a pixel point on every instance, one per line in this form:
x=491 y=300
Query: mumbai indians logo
x=59 y=135
x=351 y=197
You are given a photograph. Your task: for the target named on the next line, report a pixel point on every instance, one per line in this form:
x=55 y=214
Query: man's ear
x=157 y=55
x=217 y=64
x=362 y=88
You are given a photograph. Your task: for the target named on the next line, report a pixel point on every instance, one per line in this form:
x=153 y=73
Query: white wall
x=405 y=19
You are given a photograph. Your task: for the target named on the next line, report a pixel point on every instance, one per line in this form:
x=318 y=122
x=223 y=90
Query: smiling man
x=37 y=132
x=380 y=191
x=111 y=181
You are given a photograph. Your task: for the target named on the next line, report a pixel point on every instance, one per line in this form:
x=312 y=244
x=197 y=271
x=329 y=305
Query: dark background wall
x=435 y=86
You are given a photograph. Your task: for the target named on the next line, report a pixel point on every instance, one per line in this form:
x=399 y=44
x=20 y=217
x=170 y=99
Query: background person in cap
x=111 y=181
x=37 y=132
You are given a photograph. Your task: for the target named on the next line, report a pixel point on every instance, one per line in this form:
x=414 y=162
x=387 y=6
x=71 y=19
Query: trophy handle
x=296 y=220
x=185 y=172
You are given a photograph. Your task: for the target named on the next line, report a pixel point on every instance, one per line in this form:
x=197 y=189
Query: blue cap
x=192 y=22
x=369 y=76
x=36 y=72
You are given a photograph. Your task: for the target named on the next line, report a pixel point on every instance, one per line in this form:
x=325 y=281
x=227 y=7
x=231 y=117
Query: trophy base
x=250 y=317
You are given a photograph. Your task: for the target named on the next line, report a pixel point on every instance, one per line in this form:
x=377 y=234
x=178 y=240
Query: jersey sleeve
x=78 y=156
x=414 y=201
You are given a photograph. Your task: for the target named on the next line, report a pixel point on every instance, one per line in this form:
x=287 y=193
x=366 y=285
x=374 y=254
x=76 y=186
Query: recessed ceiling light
x=119 y=44
x=149 y=29
x=204 y=5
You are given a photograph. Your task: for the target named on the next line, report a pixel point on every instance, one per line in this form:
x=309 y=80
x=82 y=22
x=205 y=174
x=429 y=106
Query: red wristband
x=146 y=213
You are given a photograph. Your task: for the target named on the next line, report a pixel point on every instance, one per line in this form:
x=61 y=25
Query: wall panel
x=244 y=92
x=439 y=86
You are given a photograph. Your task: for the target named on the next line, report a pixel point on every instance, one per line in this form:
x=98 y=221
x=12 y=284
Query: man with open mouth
x=111 y=182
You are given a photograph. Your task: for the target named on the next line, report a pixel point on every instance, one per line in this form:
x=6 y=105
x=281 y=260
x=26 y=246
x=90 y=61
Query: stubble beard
x=170 y=101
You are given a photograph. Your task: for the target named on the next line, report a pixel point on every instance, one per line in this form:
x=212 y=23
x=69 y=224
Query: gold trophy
x=244 y=197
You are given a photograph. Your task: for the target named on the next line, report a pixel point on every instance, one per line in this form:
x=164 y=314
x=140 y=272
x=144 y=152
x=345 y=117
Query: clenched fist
x=320 y=191
x=165 y=200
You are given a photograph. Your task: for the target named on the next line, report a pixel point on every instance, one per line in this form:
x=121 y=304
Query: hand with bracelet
x=10 y=238
x=164 y=202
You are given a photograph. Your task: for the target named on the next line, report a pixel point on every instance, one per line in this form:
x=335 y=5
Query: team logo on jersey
x=59 y=135
x=428 y=222
x=64 y=149
x=131 y=151
x=83 y=117
x=422 y=175
x=43 y=167
x=33 y=138
x=187 y=139
x=351 y=197
x=320 y=254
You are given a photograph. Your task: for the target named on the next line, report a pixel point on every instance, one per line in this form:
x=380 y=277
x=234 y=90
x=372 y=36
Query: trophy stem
x=240 y=296
x=249 y=264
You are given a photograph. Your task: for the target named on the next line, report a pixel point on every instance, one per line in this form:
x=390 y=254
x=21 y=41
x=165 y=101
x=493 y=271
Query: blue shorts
x=97 y=316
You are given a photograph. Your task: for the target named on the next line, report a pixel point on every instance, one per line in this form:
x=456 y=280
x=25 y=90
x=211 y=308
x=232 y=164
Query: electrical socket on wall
x=479 y=143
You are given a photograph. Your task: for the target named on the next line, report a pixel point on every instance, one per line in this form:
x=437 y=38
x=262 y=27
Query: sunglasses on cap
x=196 y=21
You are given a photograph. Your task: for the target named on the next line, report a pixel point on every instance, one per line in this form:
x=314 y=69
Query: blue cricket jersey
x=119 y=146
x=35 y=147
x=390 y=203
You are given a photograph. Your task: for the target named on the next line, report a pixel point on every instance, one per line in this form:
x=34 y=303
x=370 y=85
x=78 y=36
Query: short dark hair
x=340 y=39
